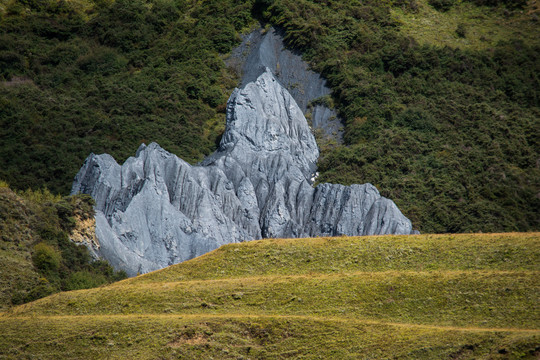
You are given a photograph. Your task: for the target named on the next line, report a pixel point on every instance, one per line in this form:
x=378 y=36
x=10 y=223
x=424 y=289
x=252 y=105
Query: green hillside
x=441 y=108
x=446 y=129
x=37 y=255
x=104 y=76
x=416 y=297
x=440 y=98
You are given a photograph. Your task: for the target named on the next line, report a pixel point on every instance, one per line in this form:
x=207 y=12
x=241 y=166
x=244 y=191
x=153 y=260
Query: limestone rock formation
x=156 y=210
x=262 y=49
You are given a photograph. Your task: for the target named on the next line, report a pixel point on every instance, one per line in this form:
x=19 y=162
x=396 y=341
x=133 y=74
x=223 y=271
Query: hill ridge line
x=270 y=316
x=134 y=282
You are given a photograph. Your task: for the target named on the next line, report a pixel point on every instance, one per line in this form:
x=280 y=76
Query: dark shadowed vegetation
x=104 y=76
x=452 y=135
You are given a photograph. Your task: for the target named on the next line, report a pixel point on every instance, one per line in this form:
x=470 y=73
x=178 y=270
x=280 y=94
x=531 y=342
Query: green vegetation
x=441 y=108
x=103 y=76
x=486 y=27
x=445 y=5
x=413 y=297
x=37 y=257
x=440 y=98
x=449 y=133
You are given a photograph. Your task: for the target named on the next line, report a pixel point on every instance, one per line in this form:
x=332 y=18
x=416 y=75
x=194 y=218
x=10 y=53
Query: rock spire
x=157 y=210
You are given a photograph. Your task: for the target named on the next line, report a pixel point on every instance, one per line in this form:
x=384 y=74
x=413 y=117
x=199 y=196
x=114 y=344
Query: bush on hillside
x=461 y=30
x=511 y=4
x=42 y=289
x=442 y=5
x=46 y=258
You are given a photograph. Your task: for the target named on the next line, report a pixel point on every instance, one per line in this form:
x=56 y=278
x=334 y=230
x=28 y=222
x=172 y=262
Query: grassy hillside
x=440 y=97
x=418 y=297
x=36 y=255
x=483 y=27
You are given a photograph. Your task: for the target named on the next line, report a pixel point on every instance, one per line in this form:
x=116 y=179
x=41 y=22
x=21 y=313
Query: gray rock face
x=260 y=50
x=157 y=210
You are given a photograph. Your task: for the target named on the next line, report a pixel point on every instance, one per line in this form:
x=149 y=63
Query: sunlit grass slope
x=426 y=296
x=482 y=27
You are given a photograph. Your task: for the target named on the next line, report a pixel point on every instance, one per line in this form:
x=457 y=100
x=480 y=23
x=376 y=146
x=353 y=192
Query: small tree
x=45 y=258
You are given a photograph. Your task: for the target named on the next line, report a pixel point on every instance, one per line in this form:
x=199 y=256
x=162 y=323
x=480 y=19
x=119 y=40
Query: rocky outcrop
x=84 y=233
x=265 y=49
x=156 y=210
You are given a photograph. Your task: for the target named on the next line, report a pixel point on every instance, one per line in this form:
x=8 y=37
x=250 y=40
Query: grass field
x=418 y=297
x=483 y=26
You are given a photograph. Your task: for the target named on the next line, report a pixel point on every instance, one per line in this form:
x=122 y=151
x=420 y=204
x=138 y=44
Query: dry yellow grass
x=419 y=297
x=484 y=26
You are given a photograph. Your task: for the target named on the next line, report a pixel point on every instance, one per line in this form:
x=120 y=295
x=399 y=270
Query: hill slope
x=444 y=122
x=36 y=255
x=104 y=76
x=425 y=296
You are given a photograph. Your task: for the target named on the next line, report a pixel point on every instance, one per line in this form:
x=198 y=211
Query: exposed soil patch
x=17 y=81
x=185 y=339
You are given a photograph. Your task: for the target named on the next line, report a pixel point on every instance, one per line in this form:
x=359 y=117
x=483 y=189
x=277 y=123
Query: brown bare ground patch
x=197 y=339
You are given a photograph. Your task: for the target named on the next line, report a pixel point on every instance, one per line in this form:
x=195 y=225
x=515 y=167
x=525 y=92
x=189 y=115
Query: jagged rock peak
x=156 y=210
x=266 y=116
x=264 y=48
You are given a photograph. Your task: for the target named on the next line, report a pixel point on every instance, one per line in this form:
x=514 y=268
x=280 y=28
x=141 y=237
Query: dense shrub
x=512 y=4
x=42 y=289
x=102 y=61
x=450 y=135
x=442 y=5
x=84 y=280
x=461 y=30
x=45 y=258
